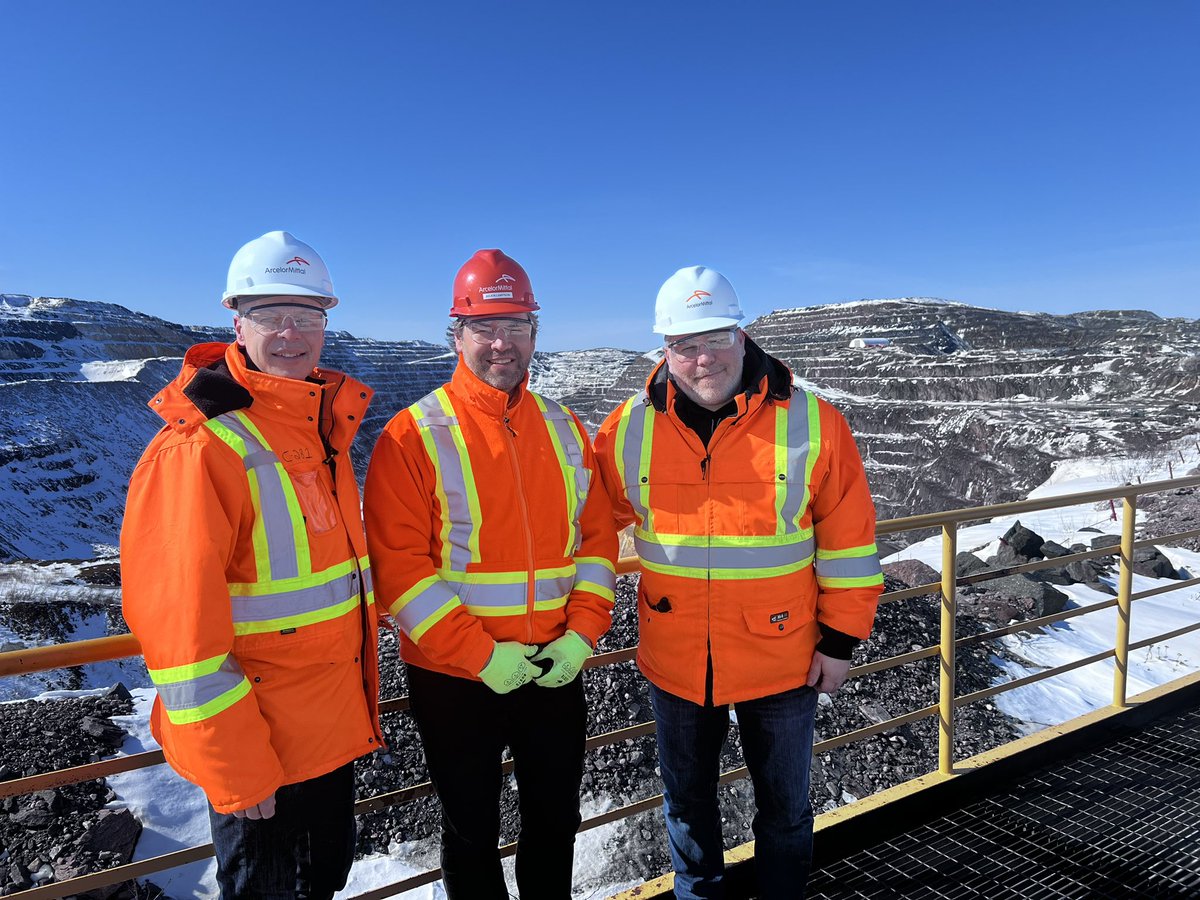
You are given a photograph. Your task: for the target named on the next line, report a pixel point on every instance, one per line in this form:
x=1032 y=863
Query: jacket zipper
x=510 y=434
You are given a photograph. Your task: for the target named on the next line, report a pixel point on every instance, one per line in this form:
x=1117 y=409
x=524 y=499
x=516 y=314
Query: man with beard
x=245 y=579
x=495 y=556
x=756 y=542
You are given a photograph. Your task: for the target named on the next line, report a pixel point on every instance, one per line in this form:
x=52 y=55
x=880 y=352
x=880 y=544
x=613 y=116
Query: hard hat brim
x=277 y=290
x=695 y=326
x=492 y=308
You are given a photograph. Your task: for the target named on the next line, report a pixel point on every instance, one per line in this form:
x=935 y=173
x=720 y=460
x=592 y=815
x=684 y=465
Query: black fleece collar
x=757 y=366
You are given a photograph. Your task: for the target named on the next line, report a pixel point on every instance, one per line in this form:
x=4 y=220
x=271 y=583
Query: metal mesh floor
x=1121 y=821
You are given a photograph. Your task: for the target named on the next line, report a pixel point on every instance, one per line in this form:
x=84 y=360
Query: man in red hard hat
x=493 y=547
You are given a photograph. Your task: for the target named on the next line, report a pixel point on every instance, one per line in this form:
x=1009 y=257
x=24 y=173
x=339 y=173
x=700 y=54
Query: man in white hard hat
x=759 y=574
x=245 y=578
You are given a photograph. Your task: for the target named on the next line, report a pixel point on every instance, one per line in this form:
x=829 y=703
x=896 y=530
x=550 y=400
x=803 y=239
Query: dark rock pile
x=60 y=833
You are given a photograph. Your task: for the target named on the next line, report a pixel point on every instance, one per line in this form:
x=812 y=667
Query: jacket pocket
x=319 y=511
x=776 y=620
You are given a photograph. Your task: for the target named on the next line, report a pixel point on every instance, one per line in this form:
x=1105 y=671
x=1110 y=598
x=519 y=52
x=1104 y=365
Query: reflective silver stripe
x=272 y=504
x=424 y=604
x=849 y=567
x=295 y=602
x=368 y=581
x=192 y=692
x=597 y=574
x=449 y=469
x=631 y=453
x=742 y=557
x=799 y=444
x=559 y=420
x=515 y=593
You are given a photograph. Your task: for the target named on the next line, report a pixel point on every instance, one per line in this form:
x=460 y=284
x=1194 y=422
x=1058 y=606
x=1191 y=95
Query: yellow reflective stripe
x=604 y=593
x=847 y=552
x=725 y=540
x=282 y=585
x=519 y=576
x=187 y=671
x=567 y=472
x=727 y=574
x=258 y=533
x=468 y=473
x=814 y=446
x=644 y=465
x=781 y=466
x=310 y=618
x=439 y=489
x=519 y=609
x=433 y=618
x=865 y=581
x=295 y=513
x=211 y=708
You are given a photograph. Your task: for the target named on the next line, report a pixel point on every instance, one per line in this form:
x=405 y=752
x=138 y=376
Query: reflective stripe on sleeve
x=192 y=693
x=849 y=568
x=424 y=605
x=596 y=575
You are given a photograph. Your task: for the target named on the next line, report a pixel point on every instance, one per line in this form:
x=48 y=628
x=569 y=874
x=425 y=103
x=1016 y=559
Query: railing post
x=1124 y=590
x=946 y=652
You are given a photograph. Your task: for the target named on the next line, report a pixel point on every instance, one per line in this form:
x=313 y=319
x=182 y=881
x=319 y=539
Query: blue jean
x=777 y=739
x=303 y=852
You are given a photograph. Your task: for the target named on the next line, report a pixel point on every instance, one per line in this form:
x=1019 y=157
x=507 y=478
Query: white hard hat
x=696 y=299
x=277 y=263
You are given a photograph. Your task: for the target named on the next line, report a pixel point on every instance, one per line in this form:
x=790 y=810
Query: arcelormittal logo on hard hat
x=292 y=265
x=501 y=290
x=698 y=299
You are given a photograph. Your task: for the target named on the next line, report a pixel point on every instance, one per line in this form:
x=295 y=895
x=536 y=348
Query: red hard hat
x=492 y=284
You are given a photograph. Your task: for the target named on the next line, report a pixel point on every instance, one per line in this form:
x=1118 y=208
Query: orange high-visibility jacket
x=487 y=523
x=744 y=547
x=245 y=578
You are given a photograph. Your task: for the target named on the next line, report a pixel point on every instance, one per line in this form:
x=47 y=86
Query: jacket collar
x=217 y=378
x=761 y=374
x=489 y=400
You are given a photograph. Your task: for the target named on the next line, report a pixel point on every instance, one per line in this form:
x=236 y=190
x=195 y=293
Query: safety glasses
x=266 y=320
x=693 y=345
x=485 y=331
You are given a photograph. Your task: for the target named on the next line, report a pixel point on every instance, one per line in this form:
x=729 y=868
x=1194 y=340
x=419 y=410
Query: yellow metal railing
x=99 y=649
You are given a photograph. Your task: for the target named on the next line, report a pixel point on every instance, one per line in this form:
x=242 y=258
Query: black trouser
x=464 y=727
x=304 y=851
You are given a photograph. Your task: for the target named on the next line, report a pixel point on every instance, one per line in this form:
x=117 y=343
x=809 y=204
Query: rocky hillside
x=964 y=405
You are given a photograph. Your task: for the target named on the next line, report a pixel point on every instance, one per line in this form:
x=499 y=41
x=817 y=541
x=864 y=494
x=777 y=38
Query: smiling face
x=287 y=351
x=502 y=361
x=712 y=376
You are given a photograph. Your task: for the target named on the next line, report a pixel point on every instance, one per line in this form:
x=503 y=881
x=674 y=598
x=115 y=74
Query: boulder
x=1006 y=556
x=912 y=572
x=1106 y=540
x=1150 y=562
x=968 y=564
x=115 y=831
x=1024 y=597
x=1052 y=550
x=1023 y=541
x=103 y=730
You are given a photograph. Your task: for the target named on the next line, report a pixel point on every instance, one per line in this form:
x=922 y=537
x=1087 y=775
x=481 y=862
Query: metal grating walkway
x=1118 y=821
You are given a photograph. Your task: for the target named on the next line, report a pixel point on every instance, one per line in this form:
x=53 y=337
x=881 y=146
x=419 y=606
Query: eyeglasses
x=488 y=330
x=692 y=346
x=271 y=321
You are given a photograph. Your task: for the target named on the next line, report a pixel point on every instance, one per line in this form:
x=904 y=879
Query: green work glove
x=567 y=654
x=509 y=667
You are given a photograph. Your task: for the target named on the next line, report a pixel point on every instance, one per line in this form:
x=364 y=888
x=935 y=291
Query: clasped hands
x=513 y=664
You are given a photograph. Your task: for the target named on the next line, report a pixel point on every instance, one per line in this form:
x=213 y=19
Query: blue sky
x=1025 y=154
